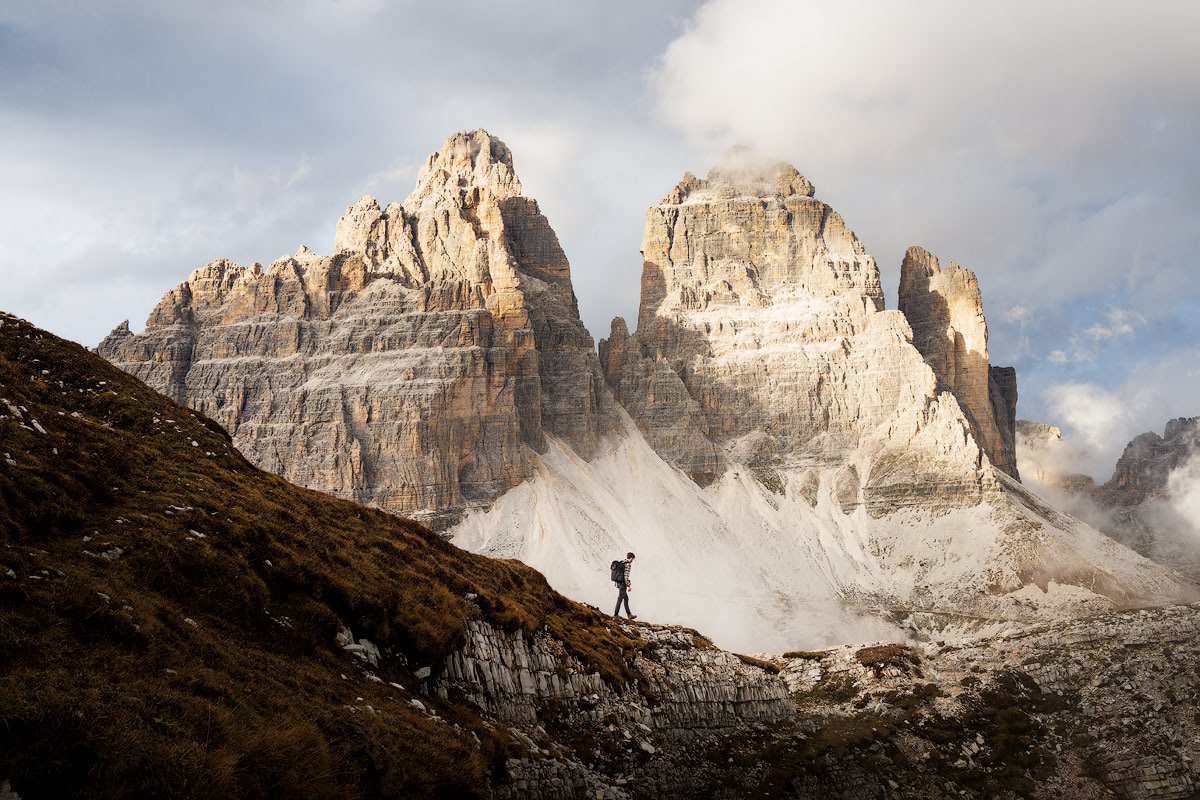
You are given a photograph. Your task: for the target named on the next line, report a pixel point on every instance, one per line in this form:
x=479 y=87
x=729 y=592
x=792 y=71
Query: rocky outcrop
x=414 y=369
x=1101 y=707
x=945 y=310
x=1144 y=468
x=762 y=339
x=684 y=684
x=435 y=365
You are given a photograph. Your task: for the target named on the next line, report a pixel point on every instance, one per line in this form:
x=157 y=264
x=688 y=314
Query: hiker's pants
x=623 y=597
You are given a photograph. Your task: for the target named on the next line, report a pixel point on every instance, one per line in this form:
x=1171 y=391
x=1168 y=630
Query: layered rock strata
x=762 y=339
x=414 y=369
x=693 y=686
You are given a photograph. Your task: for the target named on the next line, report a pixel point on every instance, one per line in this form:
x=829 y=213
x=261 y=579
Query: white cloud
x=1118 y=323
x=1096 y=417
x=1087 y=345
x=1183 y=495
x=1099 y=421
x=1059 y=357
x=929 y=79
x=1019 y=314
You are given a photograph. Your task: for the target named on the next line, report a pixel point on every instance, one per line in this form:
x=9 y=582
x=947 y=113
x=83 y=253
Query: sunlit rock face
x=762 y=339
x=415 y=369
x=945 y=309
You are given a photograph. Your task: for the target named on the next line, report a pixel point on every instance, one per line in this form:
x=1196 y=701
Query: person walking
x=624 y=587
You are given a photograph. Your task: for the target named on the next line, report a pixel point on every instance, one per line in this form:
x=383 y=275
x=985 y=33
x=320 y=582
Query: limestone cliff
x=762 y=338
x=413 y=367
x=945 y=310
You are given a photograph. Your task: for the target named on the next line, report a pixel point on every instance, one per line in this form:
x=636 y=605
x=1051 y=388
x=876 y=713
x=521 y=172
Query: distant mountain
x=1150 y=503
x=794 y=464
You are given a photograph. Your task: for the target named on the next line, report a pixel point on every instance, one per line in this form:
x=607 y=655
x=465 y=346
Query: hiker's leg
x=623 y=596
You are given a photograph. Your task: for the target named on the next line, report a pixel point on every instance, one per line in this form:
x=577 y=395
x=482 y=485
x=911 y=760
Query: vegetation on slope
x=168 y=612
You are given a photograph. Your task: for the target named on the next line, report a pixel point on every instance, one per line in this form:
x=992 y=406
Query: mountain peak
x=468 y=160
x=742 y=172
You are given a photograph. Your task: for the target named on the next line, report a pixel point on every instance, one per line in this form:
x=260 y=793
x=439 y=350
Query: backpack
x=618 y=571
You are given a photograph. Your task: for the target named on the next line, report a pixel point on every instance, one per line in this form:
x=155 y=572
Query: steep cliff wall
x=762 y=340
x=409 y=370
x=945 y=310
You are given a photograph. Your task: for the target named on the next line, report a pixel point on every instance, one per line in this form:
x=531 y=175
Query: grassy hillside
x=168 y=612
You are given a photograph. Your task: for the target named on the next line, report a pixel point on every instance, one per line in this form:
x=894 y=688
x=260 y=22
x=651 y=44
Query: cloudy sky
x=1049 y=146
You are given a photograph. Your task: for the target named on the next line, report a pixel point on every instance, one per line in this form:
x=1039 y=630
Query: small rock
x=11 y=574
x=423 y=673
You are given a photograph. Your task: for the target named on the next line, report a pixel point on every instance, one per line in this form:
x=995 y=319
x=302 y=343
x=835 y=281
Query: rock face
x=415 y=369
x=1144 y=469
x=1075 y=709
x=945 y=310
x=762 y=339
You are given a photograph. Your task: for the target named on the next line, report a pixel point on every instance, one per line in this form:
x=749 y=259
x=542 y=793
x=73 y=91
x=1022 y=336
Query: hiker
x=623 y=584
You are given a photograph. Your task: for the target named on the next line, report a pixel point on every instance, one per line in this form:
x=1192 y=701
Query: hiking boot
x=633 y=616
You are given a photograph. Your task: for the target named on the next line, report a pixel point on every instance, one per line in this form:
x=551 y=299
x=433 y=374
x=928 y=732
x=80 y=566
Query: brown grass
x=895 y=656
x=807 y=655
x=766 y=666
x=125 y=696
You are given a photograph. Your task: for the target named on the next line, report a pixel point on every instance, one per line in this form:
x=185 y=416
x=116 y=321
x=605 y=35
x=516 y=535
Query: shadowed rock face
x=762 y=339
x=945 y=309
x=410 y=369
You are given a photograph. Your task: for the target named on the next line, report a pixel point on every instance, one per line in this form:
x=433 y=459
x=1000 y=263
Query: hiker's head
x=630 y=556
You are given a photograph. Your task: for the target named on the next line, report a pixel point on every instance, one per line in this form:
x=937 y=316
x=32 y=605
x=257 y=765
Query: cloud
x=1019 y=314
x=1183 y=497
x=1088 y=344
x=1118 y=323
x=1099 y=421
